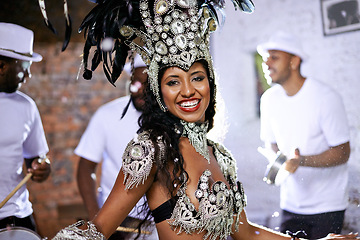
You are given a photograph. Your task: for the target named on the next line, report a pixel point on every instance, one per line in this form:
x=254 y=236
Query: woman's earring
x=177 y=130
x=163 y=107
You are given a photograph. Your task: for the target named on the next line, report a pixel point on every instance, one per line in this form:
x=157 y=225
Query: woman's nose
x=187 y=89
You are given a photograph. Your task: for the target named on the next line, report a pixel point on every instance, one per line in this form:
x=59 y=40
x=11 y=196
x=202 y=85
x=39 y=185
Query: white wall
x=333 y=59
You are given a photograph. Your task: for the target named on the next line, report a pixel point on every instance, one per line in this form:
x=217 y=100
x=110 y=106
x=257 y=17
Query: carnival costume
x=165 y=33
x=218 y=204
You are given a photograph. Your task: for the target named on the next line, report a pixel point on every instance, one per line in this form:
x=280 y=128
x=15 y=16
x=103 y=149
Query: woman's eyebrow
x=196 y=72
x=171 y=76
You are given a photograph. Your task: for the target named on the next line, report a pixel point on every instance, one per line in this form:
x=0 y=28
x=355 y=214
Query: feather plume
x=105 y=21
x=67 y=34
x=68 y=26
x=87 y=73
x=44 y=14
x=245 y=5
x=96 y=60
x=119 y=60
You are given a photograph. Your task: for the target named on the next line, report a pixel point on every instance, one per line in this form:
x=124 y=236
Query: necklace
x=196 y=133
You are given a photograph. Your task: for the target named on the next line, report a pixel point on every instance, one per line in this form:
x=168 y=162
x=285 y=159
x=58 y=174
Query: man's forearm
x=87 y=186
x=334 y=156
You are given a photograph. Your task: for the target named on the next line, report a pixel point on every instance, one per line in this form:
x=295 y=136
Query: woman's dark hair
x=161 y=125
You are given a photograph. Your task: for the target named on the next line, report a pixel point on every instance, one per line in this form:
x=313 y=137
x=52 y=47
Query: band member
x=306 y=120
x=22 y=136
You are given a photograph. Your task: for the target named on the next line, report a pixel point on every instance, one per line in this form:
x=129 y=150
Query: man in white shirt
x=22 y=135
x=110 y=130
x=305 y=120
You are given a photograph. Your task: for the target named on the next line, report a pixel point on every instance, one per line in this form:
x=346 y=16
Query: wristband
x=296 y=235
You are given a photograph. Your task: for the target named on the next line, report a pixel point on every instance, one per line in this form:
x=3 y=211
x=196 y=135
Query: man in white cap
x=305 y=120
x=22 y=135
x=105 y=139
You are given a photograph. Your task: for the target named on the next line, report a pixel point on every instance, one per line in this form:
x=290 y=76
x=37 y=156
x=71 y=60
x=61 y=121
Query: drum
x=275 y=172
x=18 y=233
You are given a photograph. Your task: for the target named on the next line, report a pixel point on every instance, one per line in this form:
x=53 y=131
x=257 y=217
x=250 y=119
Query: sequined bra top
x=218 y=204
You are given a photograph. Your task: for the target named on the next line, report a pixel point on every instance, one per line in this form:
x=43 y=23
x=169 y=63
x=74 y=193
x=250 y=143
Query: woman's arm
x=133 y=181
x=119 y=204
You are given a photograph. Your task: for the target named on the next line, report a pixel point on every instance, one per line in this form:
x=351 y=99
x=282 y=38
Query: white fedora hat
x=17 y=42
x=285 y=42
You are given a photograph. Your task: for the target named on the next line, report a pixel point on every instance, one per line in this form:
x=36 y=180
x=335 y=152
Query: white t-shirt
x=21 y=136
x=106 y=138
x=313 y=120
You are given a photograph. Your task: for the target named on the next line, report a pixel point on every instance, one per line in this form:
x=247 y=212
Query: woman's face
x=186 y=94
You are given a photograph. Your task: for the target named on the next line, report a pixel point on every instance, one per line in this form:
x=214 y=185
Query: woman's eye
x=198 y=79
x=172 y=83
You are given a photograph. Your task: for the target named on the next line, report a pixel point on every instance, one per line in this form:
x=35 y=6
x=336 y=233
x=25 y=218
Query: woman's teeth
x=189 y=103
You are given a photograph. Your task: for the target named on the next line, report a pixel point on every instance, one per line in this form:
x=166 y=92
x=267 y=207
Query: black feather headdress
x=103 y=22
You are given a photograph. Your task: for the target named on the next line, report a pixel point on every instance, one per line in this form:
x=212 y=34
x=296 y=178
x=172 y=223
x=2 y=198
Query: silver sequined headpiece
x=176 y=34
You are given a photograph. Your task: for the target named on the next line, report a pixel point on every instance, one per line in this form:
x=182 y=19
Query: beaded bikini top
x=218 y=204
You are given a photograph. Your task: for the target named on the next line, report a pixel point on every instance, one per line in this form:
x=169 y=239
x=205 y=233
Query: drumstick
x=133 y=230
x=25 y=179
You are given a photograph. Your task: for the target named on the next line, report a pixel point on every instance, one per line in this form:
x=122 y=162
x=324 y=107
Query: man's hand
x=40 y=169
x=292 y=164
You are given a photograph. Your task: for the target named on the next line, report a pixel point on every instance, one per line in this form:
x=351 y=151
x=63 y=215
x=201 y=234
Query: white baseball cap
x=138 y=62
x=17 y=42
x=285 y=42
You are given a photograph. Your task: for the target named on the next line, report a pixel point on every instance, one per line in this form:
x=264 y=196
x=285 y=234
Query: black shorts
x=26 y=222
x=315 y=226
